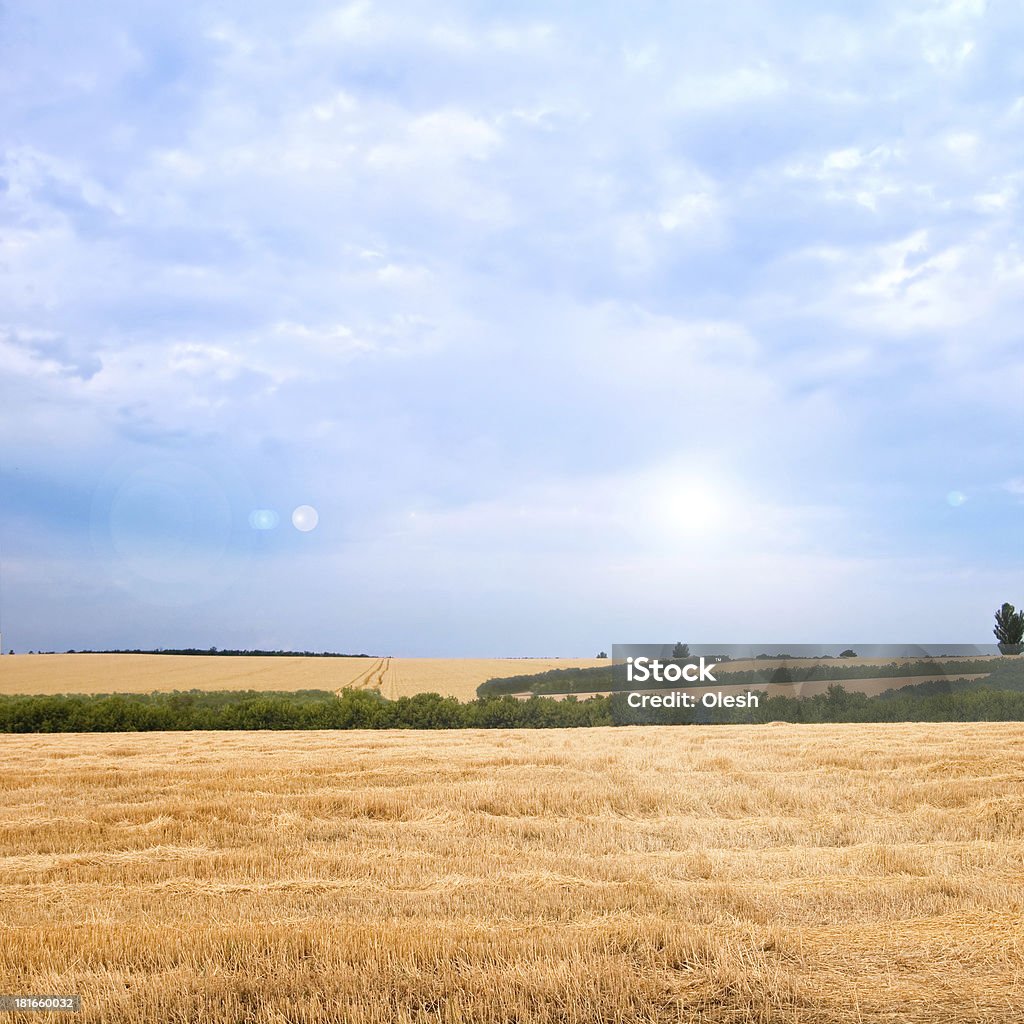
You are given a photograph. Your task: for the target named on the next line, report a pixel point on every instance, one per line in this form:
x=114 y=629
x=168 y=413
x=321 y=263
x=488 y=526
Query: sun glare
x=692 y=508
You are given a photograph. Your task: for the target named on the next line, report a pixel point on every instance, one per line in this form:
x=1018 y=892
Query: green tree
x=1009 y=629
x=681 y=651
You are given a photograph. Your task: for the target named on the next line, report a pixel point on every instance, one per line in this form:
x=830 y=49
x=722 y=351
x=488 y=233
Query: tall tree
x=1009 y=628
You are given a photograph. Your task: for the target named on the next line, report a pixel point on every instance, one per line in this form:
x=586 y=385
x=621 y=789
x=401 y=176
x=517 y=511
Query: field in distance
x=807 y=874
x=144 y=673
x=872 y=687
x=946 y=668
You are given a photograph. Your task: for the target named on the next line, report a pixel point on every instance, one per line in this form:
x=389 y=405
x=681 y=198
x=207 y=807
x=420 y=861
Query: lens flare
x=263 y=519
x=305 y=518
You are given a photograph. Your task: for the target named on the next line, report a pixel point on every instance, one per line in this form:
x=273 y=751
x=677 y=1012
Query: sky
x=576 y=324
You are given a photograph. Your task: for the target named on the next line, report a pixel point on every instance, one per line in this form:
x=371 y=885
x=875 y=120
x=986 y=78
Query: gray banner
x=678 y=683
x=41 y=1003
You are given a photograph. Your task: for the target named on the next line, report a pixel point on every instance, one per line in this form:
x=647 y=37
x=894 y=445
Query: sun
x=692 y=508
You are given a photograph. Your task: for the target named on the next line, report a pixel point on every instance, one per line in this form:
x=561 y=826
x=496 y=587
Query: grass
x=144 y=673
x=797 y=874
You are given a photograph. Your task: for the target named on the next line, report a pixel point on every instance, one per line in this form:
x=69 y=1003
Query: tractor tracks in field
x=378 y=680
x=372 y=678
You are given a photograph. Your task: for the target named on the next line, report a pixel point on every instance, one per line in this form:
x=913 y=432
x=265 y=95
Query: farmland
x=810 y=874
x=143 y=673
x=871 y=687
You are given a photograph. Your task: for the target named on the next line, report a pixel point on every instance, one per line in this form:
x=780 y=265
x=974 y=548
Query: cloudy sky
x=577 y=324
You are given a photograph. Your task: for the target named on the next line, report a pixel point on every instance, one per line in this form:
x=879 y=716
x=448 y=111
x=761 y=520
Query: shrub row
x=972 y=704
x=352 y=709
x=361 y=709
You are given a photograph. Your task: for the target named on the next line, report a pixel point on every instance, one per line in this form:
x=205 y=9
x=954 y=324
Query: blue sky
x=577 y=325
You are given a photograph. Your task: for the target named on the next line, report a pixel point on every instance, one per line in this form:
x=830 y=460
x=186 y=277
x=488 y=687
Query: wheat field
x=392 y=677
x=793 y=874
x=144 y=673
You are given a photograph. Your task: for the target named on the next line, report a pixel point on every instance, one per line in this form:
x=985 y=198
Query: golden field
x=392 y=677
x=799 y=874
x=144 y=673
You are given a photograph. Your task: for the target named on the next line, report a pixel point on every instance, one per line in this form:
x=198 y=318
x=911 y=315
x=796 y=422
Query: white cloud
x=333 y=340
x=353 y=21
x=694 y=212
x=962 y=144
x=741 y=85
x=341 y=103
x=441 y=137
x=911 y=285
x=855 y=174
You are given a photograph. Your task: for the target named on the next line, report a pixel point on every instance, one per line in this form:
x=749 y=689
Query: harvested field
x=810 y=874
x=144 y=673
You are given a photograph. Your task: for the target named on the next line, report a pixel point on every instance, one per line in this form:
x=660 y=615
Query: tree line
x=942 y=701
x=310 y=709
x=207 y=652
